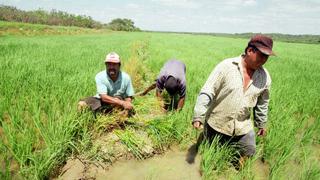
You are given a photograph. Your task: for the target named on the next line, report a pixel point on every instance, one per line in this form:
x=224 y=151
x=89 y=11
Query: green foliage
x=54 y=17
x=122 y=25
x=162 y=132
x=216 y=158
x=134 y=143
x=26 y=29
x=43 y=77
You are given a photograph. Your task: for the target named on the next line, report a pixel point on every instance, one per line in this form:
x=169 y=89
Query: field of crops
x=43 y=78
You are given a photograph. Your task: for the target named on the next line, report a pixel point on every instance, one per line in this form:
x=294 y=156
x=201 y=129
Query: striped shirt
x=226 y=106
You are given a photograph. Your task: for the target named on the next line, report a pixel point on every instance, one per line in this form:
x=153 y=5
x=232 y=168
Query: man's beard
x=112 y=72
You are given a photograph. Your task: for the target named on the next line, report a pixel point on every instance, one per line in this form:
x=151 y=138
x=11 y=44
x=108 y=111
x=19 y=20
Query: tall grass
x=216 y=158
x=43 y=77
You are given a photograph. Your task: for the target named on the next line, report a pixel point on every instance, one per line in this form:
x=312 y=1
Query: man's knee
x=250 y=151
x=248 y=143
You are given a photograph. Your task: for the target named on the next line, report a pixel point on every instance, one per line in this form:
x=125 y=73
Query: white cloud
x=189 y=4
x=249 y=2
x=283 y=16
x=133 y=6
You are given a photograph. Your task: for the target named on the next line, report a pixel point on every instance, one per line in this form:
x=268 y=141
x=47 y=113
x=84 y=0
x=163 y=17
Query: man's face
x=113 y=69
x=256 y=58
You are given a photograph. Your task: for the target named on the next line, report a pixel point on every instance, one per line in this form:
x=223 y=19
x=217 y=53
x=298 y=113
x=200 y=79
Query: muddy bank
x=171 y=165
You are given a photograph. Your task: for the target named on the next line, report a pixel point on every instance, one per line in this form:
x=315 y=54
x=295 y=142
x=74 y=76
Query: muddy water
x=171 y=165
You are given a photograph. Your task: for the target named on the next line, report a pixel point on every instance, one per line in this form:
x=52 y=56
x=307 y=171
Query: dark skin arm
x=148 y=89
x=158 y=94
x=181 y=103
x=126 y=104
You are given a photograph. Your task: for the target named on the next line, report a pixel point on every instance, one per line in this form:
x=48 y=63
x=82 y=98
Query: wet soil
x=171 y=165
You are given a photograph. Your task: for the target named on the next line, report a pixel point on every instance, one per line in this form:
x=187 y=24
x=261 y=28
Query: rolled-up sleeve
x=201 y=108
x=207 y=94
x=261 y=109
x=160 y=82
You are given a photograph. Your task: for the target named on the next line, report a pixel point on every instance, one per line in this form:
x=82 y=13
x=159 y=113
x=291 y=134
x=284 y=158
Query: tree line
x=60 y=18
x=302 y=38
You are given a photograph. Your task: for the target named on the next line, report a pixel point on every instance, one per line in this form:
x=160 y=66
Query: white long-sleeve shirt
x=226 y=106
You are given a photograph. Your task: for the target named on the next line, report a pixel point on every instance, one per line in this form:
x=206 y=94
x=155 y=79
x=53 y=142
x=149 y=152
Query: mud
x=171 y=165
x=261 y=170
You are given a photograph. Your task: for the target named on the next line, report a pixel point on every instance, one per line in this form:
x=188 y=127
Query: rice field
x=44 y=76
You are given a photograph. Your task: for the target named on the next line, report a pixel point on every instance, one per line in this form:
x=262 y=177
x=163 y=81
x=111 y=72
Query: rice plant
x=43 y=78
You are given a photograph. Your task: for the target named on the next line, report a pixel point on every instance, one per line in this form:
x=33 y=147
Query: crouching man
x=114 y=88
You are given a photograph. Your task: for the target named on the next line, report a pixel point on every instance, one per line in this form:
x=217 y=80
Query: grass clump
x=134 y=143
x=216 y=158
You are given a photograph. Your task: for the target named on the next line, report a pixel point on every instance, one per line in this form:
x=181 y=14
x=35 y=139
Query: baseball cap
x=113 y=58
x=263 y=44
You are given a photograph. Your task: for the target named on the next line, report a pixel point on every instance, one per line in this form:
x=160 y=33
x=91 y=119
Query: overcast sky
x=224 y=16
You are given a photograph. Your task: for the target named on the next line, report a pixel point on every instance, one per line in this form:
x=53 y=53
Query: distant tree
x=54 y=17
x=122 y=25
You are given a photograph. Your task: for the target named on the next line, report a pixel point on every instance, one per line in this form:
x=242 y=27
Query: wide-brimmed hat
x=263 y=44
x=112 y=58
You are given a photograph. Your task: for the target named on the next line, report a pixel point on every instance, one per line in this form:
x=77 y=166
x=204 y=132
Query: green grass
x=26 y=29
x=43 y=77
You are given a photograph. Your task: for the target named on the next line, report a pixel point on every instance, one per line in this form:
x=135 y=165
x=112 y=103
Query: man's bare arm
x=115 y=101
x=181 y=103
x=147 y=90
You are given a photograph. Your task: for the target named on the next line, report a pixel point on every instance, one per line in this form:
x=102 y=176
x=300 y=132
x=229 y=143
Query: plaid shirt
x=226 y=106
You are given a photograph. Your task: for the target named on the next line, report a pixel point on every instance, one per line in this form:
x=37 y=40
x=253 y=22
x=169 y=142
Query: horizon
x=231 y=17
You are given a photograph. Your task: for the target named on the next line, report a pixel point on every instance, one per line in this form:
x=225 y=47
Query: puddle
x=171 y=165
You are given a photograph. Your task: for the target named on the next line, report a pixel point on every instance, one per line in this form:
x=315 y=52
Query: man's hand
x=262 y=132
x=198 y=125
x=127 y=105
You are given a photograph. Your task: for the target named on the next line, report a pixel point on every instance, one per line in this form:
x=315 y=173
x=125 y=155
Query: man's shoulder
x=101 y=75
x=265 y=73
x=232 y=60
x=125 y=75
x=226 y=63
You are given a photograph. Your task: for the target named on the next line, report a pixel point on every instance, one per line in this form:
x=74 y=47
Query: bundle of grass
x=112 y=120
x=137 y=142
x=145 y=109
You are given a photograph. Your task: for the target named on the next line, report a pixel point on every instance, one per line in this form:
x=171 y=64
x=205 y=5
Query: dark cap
x=171 y=85
x=263 y=44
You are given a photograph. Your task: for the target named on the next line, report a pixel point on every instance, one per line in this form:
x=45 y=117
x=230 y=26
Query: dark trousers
x=246 y=144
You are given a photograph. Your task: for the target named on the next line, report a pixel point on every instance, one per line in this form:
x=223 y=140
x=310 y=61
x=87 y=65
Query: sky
x=215 y=16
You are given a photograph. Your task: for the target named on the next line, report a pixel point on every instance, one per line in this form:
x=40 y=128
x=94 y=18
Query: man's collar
x=237 y=60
